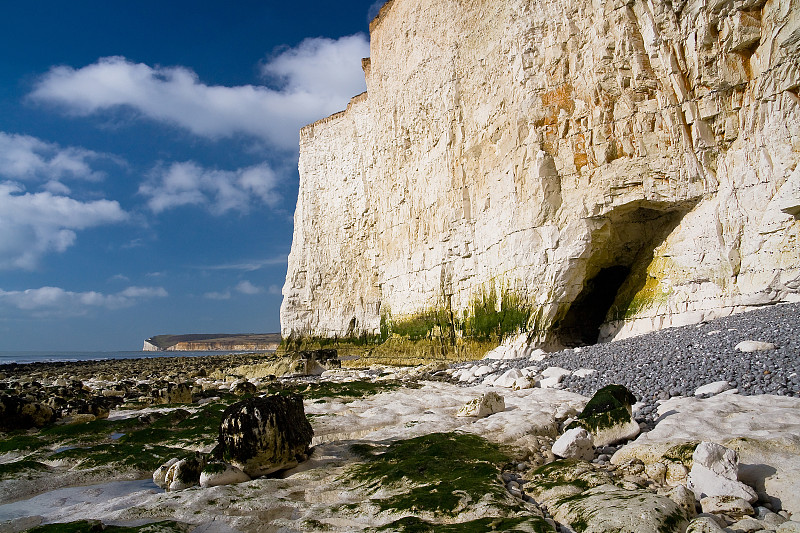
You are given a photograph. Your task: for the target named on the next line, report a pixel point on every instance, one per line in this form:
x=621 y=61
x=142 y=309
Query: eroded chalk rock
x=218 y=473
x=610 y=508
x=715 y=473
x=265 y=434
x=486 y=405
x=183 y=474
x=575 y=443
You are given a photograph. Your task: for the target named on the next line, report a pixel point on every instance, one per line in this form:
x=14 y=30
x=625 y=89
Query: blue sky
x=148 y=161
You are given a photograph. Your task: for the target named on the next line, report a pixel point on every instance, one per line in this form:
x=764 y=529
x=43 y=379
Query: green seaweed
x=682 y=453
x=609 y=407
x=20 y=442
x=528 y=524
x=438 y=472
x=25 y=466
x=348 y=389
x=608 y=398
x=86 y=526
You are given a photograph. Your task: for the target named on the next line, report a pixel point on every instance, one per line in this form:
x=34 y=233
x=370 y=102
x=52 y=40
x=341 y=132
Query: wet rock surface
x=265 y=434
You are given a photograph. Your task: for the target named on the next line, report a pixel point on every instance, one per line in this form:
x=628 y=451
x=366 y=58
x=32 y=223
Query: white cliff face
x=631 y=163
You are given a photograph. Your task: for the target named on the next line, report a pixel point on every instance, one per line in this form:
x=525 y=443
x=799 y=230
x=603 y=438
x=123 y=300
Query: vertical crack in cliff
x=621 y=250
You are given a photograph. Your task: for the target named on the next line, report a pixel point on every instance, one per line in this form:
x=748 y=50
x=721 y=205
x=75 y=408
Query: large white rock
x=711 y=389
x=216 y=474
x=508 y=378
x=763 y=430
x=715 y=471
x=488 y=404
x=527 y=145
x=754 y=346
x=575 y=443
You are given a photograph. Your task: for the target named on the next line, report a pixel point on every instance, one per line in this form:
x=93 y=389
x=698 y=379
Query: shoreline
x=353 y=410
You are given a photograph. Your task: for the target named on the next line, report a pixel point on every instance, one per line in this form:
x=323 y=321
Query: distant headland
x=212 y=341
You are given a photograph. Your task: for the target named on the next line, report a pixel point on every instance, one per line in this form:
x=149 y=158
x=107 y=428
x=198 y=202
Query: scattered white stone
x=490 y=379
x=508 y=378
x=789 y=527
x=223 y=474
x=467 y=374
x=684 y=497
x=704 y=524
x=715 y=473
x=575 y=443
x=538 y=354
x=483 y=370
x=754 y=346
x=161 y=473
x=747 y=525
x=550 y=383
x=555 y=371
x=583 y=372
x=486 y=405
x=712 y=389
x=523 y=383
x=735 y=507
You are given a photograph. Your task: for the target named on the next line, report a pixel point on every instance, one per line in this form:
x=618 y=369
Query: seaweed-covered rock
x=18 y=412
x=184 y=474
x=160 y=475
x=607 y=416
x=265 y=434
x=610 y=508
x=243 y=388
x=174 y=393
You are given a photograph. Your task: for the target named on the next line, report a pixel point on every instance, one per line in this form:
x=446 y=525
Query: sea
x=7 y=357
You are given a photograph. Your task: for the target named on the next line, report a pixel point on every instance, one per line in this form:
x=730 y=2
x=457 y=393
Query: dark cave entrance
x=622 y=248
x=581 y=325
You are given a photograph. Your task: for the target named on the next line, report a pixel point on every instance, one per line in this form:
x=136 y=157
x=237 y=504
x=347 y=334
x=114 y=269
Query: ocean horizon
x=27 y=357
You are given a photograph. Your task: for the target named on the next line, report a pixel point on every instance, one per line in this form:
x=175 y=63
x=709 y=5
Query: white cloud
x=245 y=287
x=321 y=66
x=27 y=158
x=317 y=78
x=33 y=224
x=220 y=191
x=249 y=266
x=57 y=302
x=226 y=295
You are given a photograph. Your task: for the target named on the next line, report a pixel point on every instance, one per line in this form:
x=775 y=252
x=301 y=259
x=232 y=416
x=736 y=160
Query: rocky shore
x=701 y=433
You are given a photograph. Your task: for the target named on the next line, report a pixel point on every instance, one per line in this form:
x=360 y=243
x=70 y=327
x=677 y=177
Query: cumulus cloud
x=315 y=79
x=224 y=295
x=57 y=302
x=245 y=287
x=25 y=158
x=33 y=224
x=187 y=183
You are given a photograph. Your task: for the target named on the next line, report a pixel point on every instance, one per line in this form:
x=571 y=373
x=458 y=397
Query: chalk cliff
x=621 y=166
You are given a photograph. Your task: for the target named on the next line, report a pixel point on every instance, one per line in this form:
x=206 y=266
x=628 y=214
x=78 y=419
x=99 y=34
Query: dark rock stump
x=264 y=435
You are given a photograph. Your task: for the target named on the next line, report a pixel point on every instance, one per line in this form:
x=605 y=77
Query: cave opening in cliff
x=622 y=249
x=581 y=325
